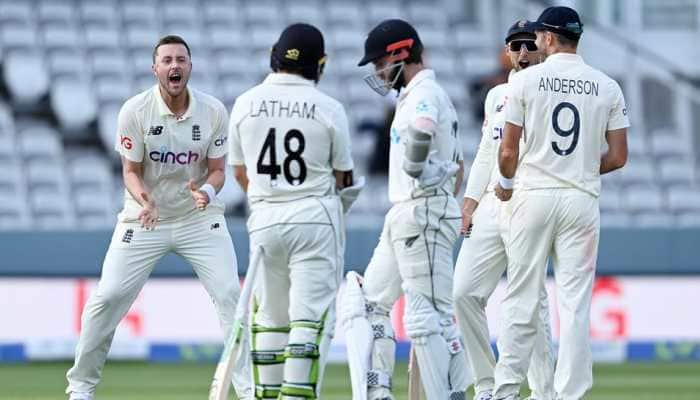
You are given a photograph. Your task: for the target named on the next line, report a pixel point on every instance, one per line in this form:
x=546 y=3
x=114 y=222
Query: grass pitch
x=141 y=381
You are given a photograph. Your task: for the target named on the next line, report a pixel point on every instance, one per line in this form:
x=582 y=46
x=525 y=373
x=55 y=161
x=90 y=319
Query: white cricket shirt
x=422 y=98
x=484 y=173
x=484 y=170
x=172 y=150
x=290 y=136
x=565 y=107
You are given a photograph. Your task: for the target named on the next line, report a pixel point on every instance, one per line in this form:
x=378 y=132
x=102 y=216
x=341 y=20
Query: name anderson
x=276 y=108
x=568 y=86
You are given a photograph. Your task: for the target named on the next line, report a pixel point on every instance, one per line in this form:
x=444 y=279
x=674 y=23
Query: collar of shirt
x=564 y=57
x=510 y=74
x=417 y=78
x=281 y=78
x=164 y=110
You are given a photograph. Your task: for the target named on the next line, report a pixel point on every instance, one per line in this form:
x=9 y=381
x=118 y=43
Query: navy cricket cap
x=562 y=20
x=299 y=45
x=522 y=26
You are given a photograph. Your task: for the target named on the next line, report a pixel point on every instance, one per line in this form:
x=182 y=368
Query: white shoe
x=483 y=395
x=81 y=396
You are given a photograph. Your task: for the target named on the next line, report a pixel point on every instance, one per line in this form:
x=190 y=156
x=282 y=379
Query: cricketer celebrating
x=566 y=112
x=171 y=140
x=482 y=259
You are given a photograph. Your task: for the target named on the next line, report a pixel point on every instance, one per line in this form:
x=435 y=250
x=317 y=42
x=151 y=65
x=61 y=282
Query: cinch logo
x=168 y=157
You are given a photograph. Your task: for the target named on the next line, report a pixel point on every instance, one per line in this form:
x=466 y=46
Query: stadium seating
x=26 y=77
x=80 y=59
x=74 y=104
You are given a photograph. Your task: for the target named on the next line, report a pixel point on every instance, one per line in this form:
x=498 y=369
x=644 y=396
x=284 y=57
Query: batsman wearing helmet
x=290 y=148
x=414 y=254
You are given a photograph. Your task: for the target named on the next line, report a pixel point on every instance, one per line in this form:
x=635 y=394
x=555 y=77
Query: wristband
x=209 y=190
x=506 y=183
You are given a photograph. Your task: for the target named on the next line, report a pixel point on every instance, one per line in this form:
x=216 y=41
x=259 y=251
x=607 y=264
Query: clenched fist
x=503 y=194
x=201 y=199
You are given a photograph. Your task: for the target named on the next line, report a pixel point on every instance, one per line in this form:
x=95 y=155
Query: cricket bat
x=415 y=389
x=221 y=383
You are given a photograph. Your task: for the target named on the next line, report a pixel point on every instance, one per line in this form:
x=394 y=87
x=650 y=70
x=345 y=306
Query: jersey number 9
x=293 y=155
x=575 y=127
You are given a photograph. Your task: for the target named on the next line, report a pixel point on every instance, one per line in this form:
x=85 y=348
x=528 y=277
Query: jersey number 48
x=293 y=155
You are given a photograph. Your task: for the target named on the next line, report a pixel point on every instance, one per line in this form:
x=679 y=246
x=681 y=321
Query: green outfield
x=140 y=381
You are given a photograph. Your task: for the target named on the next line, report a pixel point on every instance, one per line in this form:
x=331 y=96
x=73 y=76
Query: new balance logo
x=128 y=235
x=155 y=130
x=196 y=133
x=410 y=241
x=215 y=226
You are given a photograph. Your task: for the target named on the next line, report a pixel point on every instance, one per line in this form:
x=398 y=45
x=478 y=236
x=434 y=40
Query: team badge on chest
x=196 y=133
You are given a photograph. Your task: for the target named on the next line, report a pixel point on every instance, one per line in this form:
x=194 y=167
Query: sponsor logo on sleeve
x=125 y=142
x=395 y=137
x=220 y=141
x=422 y=107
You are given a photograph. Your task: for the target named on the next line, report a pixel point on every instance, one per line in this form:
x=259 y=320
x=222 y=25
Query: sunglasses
x=516 y=45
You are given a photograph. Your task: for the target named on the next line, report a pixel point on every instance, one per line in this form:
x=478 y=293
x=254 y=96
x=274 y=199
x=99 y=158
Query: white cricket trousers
x=414 y=256
x=480 y=265
x=303 y=242
x=202 y=239
x=563 y=224
x=414 y=253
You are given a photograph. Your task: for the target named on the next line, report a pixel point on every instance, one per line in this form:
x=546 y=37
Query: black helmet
x=389 y=36
x=397 y=39
x=299 y=49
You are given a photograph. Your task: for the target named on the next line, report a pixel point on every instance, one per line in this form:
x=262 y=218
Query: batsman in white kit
x=414 y=254
x=566 y=112
x=482 y=258
x=290 y=148
x=172 y=142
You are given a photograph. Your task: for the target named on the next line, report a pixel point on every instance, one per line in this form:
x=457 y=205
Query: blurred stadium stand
x=67 y=65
